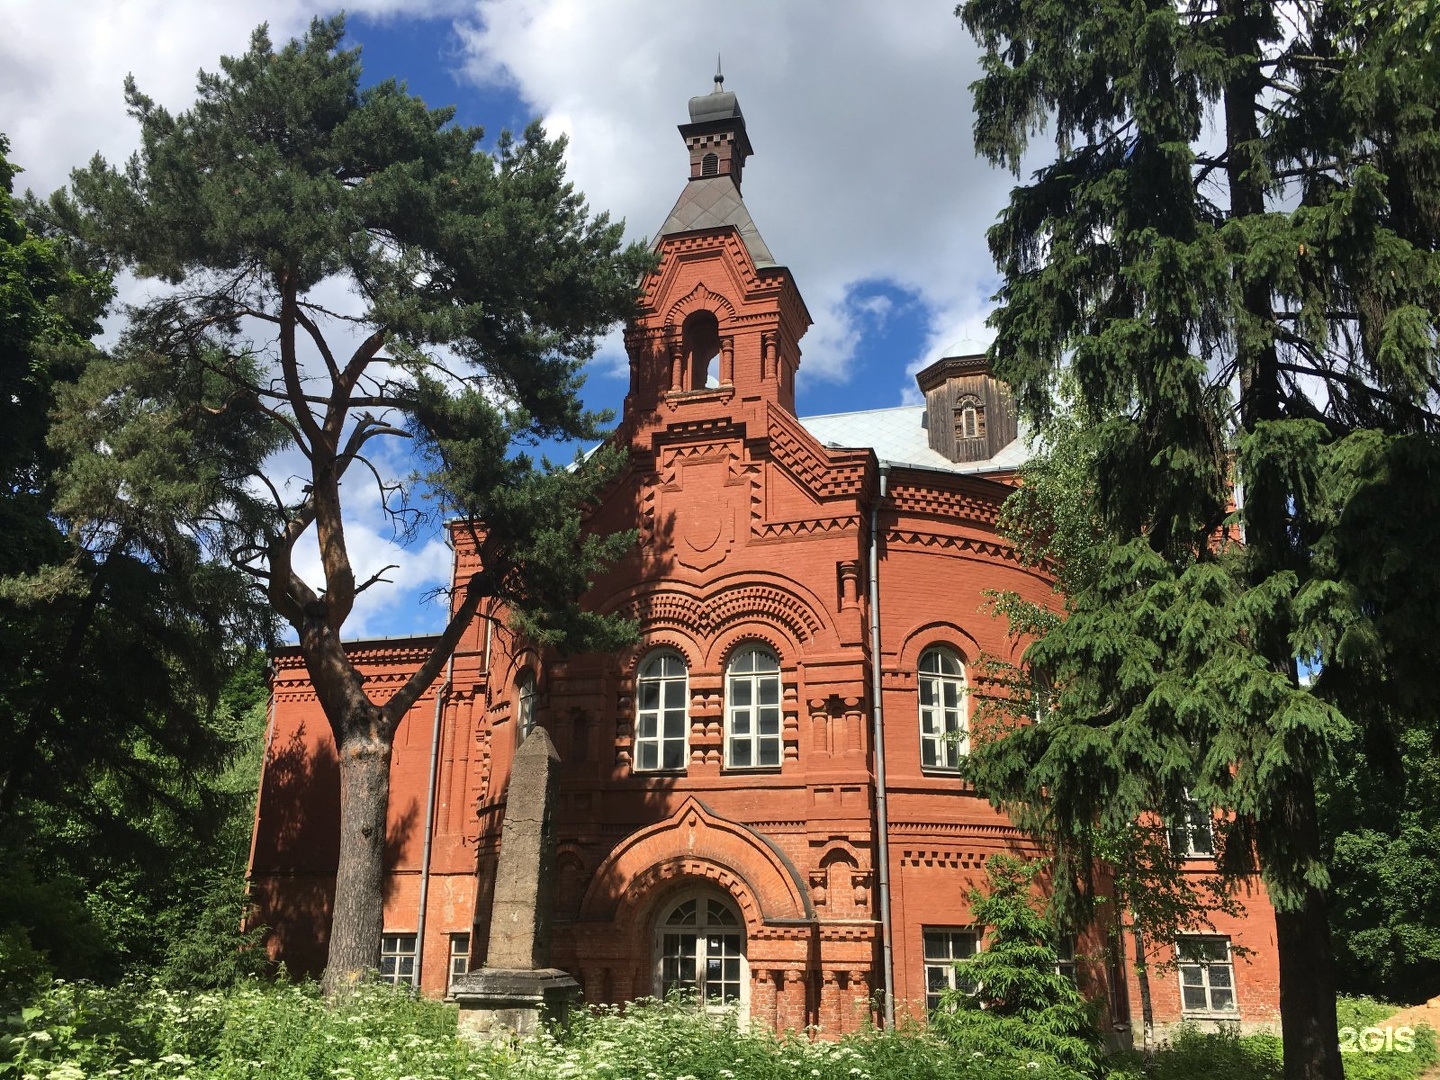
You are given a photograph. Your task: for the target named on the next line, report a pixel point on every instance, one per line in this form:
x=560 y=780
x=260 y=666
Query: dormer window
x=710 y=165
x=970 y=419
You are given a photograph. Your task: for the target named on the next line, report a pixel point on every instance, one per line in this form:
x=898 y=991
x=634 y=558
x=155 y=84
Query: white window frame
x=395 y=951
x=764 y=722
x=459 y=956
x=709 y=932
x=1193 y=835
x=944 y=727
x=526 y=690
x=653 y=672
x=1066 y=960
x=1213 y=975
x=943 y=950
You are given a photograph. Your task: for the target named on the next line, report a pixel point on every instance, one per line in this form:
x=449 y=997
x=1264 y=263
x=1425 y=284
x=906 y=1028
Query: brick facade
x=753 y=534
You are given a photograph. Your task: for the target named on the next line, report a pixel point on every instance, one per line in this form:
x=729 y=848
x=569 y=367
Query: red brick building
x=727 y=818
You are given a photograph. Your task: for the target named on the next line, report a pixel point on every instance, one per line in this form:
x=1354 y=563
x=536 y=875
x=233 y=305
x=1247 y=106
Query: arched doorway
x=700 y=947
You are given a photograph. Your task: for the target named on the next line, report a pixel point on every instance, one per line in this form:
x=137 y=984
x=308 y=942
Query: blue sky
x=863 y=180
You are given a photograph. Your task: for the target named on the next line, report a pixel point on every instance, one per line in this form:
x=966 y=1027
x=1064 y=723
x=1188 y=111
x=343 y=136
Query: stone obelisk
x=516 y=988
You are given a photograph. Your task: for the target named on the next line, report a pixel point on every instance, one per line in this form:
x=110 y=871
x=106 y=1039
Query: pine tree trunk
x=1307 y=992
x=358 y=917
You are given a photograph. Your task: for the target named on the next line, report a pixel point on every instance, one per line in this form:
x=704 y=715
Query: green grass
x=287 y=1032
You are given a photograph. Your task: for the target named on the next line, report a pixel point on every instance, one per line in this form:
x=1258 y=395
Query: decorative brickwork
x=753 y=536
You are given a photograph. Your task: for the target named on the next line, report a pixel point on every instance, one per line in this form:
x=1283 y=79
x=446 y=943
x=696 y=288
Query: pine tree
x=1232 y=257
x=481 y=283
x=1017 y=1008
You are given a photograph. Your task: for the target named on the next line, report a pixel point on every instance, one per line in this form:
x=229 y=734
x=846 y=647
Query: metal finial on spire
x=719 y=78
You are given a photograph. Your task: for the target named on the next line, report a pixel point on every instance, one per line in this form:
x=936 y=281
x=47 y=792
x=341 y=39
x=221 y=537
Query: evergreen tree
x=116 y=626
x=1017 y=1007
x=480 y=283
x=1232 y=256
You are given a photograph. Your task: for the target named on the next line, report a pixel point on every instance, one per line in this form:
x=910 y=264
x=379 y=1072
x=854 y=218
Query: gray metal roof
x=712 y=203
x=899 y=437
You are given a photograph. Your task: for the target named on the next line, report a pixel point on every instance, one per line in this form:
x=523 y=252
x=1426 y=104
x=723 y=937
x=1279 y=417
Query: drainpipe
x=882 y=813
x=441 y=694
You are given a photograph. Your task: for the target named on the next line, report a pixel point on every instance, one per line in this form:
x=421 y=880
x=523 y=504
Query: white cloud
x=63 y=66
x=859 y=114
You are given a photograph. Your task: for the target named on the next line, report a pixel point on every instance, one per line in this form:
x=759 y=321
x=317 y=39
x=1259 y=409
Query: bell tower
x=719 y=324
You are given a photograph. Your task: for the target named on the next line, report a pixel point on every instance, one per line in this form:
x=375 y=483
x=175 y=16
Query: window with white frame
x=459 y=956
x=525 y=701
x=943 y=733
x=1192 y=831
x=662 y=712
x=946 y=952
x=701 y=946
x=752 y=710
x=397 y=959
x=1207 y=974
x=1065 y=964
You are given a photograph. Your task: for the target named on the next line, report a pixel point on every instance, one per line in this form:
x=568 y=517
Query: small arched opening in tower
x=701 y=341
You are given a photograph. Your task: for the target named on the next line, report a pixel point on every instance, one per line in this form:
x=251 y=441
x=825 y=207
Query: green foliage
x=1382 y=827
x=116 y=623
x=482 y=282
x=1022 y=1009
x=476 y=287
x=288 y=1032
x=1230 y=264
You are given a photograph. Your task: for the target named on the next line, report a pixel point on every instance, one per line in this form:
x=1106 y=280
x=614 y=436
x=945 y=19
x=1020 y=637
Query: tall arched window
x=710 y=165
x=969 y=419
x=700 y=335
x=943 y=732
x=662 y=712
x=701 y=947
x=525 y=704
x=752 y=709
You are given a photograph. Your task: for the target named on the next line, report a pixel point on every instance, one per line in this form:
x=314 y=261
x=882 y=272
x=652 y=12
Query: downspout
x=441 y=695
x=882 y=812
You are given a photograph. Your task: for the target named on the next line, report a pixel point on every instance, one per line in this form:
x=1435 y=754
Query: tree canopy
x=1230 y=256
x=349 y=269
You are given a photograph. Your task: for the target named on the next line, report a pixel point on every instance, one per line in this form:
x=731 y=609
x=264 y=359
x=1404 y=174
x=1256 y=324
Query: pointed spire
x=719 y=76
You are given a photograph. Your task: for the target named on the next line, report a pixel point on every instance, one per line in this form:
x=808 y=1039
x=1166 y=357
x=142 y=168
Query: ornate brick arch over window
x=944 y=731
x=700 y=947
x=752 y=709
x=662 y=712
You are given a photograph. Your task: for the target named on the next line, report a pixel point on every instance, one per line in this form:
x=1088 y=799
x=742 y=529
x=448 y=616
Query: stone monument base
x=503 y=1001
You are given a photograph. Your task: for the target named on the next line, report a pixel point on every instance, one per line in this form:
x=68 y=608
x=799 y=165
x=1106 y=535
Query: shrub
x=1023 y=1010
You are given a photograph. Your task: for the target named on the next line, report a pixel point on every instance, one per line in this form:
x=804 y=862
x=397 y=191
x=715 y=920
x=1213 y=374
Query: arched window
x=700 y=942
x=943 y=732
x=752 y=710
x=700 y=337
x=662 y=712
x=969 y=419
x=525 y=704
x=710 y=165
